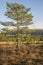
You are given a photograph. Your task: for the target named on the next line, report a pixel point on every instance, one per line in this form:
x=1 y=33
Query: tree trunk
x=17 y=36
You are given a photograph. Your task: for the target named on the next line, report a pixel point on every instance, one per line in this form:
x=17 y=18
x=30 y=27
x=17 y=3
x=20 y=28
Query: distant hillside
x=37 y=32
x=30 y=31
x=34 y=32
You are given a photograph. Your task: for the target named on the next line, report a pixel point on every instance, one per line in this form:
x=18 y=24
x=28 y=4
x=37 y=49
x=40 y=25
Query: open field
x=26 y=55
x=6 y=42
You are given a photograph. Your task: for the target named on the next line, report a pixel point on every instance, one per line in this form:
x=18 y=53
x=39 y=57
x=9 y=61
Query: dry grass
x=26 y=55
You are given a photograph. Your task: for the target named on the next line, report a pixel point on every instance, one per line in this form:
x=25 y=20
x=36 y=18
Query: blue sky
x=36 y=10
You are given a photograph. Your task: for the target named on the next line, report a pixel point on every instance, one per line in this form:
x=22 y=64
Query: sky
x=36 y=10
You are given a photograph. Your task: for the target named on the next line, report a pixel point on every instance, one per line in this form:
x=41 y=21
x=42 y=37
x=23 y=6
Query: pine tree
x=19 y=13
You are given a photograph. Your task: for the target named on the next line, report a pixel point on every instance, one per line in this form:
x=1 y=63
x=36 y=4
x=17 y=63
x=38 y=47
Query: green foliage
x=23 y=38
x=19 y=13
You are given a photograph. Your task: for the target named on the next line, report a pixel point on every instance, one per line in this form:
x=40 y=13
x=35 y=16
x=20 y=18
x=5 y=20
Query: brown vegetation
x=26 y=55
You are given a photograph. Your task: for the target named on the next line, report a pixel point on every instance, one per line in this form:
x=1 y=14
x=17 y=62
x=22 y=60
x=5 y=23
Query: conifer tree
x=19 y=13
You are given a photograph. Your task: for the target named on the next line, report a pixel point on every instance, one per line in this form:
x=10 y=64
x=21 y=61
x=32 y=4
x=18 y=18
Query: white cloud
x=36 y=25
